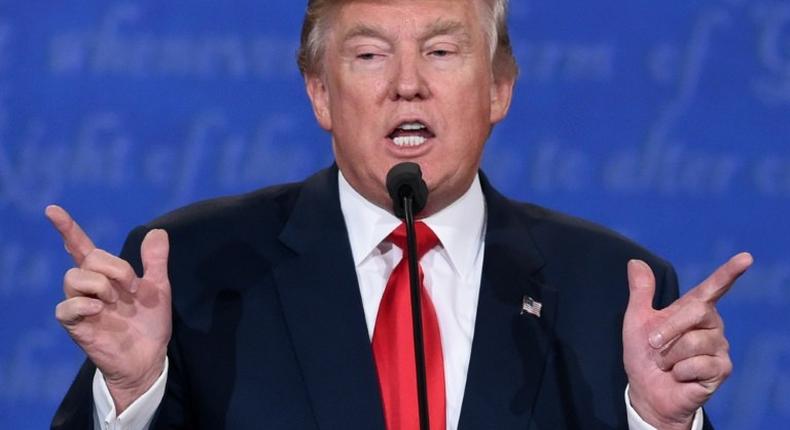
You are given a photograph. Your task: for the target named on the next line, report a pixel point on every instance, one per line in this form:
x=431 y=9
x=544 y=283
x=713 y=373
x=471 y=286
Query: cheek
x=470 y=117
x=469 y=122
x=471 y=92
x=355 y=106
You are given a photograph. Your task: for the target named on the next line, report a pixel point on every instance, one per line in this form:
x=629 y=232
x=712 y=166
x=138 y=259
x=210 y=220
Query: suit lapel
x=320 y=298
x=510 y=347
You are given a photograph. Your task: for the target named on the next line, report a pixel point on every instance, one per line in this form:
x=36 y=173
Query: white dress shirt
x=453 y=270
x=452 y=273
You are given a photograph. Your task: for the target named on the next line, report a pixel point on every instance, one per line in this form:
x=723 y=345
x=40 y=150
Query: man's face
x=408 y=80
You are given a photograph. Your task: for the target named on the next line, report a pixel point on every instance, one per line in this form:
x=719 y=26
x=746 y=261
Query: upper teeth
x=411 y=126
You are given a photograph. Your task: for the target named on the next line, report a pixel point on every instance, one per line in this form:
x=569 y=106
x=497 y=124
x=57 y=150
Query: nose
x=409 y=80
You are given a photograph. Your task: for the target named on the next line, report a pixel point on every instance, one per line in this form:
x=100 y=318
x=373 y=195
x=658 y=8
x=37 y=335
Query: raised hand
x=677 y=357
x=122 y=322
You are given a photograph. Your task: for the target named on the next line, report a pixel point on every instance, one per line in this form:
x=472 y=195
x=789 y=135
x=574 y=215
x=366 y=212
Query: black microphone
x=405 y=180
x=409 y=195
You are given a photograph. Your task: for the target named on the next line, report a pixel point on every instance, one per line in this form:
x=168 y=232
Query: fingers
x=703 y=368
x=114 y=268
x=697 y=309
x=154 y=252
x=77 y=243
x=641 y=284
x=720 y=281
x=80 y=282
x=73 y=310
x=690 y=316
x=101 y=273
x=692 y=344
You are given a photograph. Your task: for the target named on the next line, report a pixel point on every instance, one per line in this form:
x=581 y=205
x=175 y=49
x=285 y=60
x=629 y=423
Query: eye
x=442 y=50
x=366 y=56
x=440 y=53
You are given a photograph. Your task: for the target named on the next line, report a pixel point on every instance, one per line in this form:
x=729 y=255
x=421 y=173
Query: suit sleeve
x=76 y=409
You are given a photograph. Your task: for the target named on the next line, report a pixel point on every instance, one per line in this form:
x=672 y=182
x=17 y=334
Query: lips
x=410 y=133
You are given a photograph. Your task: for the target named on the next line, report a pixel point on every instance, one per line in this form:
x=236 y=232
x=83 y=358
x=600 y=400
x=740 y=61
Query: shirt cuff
x=137 y=416
x=635 y=422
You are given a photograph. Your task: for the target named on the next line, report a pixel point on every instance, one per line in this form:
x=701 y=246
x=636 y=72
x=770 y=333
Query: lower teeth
x=409 y=140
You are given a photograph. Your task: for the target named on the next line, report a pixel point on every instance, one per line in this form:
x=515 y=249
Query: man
x=277 y=295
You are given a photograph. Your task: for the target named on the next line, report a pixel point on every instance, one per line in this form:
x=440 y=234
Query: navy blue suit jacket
x=269 y=330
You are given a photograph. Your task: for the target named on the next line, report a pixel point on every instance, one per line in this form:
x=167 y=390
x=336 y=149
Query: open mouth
x=410 y=134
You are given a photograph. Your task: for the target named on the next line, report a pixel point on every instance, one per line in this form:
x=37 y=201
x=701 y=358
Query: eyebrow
x=440 y=27
x=364 y=30
x=443 y=27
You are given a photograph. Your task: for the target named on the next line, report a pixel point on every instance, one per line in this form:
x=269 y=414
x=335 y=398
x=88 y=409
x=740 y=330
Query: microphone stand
x=416 y=313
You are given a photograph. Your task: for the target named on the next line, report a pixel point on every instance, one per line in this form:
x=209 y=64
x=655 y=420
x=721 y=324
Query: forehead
x=404 y=16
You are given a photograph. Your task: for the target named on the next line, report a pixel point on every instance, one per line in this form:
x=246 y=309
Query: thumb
x=154 y=252
x=641 y=285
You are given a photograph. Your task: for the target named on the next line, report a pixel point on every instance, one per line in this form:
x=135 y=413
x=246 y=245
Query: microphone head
x=405 y=180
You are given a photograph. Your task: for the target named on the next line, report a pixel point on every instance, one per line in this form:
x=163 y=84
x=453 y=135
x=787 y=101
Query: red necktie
x=393 y=343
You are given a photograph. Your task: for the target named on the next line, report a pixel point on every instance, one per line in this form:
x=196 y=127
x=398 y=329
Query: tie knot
x=426 y=238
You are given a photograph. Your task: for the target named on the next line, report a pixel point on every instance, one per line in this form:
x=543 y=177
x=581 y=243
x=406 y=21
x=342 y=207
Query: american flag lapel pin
x=531 y=306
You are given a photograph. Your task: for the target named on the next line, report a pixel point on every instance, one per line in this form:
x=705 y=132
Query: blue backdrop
x=668 y=121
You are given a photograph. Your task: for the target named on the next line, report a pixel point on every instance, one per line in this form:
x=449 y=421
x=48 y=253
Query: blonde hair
x=315 y=24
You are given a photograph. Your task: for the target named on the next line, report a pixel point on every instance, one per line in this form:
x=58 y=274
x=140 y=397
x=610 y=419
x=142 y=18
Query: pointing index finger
x=720 y=281
x=77 y=243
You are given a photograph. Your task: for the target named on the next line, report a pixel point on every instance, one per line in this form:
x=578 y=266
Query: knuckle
x=695 y=342
x=719 y=321
x=697 y=318
x=93 y=258
x=721 y=369
x=662 y=364
x=90 y=258
x=710 y=312
x=127 y=273
x=71 y=275
x=104 y=288
x=123 y=272
x=64 y=312
x=700 y=312
x=69 y=279
x=725 y=344
x=669 y=330
x=60 y=312
x=108 y=281
x=726 y=370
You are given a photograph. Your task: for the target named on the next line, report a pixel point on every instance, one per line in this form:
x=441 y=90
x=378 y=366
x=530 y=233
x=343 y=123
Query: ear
x=501 y=95
x=319 y=98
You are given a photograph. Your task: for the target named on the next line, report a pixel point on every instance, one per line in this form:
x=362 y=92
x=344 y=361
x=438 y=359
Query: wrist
x=647 y=413
x=124 y=391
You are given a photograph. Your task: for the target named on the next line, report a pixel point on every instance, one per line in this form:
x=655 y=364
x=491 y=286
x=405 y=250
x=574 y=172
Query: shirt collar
x=459 y=227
